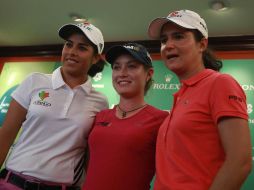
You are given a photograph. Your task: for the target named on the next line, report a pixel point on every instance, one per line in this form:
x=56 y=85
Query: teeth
x=171 y=57
x=123 y=82
x=71 y=61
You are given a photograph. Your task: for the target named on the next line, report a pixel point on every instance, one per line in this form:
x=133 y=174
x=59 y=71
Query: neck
x=73 y=81
x=134 y=110
x=187 y=75
x=130 y=103
x=128 y=107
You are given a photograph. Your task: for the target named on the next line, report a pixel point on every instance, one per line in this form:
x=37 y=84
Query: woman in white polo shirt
x=56 y=112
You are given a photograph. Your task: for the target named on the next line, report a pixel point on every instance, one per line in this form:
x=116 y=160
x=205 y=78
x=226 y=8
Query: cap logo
x=148 y=55
x=100 y=45
x=88 y=28
x=174 y=14
x=132 y=47
x=86 y=25
x=202 y=25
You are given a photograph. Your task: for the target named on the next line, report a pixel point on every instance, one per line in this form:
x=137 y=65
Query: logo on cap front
x=86 y=25
x=175 y=14
x=203 y=25
x=132 y=47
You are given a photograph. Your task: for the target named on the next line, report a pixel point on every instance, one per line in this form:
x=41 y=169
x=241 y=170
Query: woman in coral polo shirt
x=205 y=141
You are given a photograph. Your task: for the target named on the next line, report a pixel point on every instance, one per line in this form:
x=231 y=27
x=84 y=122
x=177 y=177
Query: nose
x=123 y=71
x=73 y=51
x=169 y=44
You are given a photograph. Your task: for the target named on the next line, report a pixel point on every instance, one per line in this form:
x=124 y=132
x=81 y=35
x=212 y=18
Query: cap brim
x=115 y=52
x=155 y=26
x=68 y=29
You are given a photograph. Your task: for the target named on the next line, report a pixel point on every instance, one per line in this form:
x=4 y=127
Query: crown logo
x=168 y=77
x=97 y=77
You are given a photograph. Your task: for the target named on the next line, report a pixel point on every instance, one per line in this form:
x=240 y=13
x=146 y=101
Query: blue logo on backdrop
x=5 y=102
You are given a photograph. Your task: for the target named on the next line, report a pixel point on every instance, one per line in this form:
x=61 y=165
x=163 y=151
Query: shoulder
x=224 y=76
x=37 y=77
x=217 y=80
x=98 y=95
x=105 y=111
x=226 y=81
x=104 y=114
x=217 y=76
x=155 y=112
x=99 y=98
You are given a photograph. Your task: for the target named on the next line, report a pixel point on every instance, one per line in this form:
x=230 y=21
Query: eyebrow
x=82 y=44
x=174 y=33
x=128 y=62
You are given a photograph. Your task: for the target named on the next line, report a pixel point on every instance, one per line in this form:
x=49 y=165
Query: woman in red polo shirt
x=122 y=142
x=205 y=141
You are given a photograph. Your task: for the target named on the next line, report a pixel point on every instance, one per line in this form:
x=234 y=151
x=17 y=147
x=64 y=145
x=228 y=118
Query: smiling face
x=180 y=52
x=78 y=55
x=130 y=76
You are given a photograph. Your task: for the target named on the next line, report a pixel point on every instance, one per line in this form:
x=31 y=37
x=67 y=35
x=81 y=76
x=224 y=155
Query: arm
x=15 y=116
x=235 y=138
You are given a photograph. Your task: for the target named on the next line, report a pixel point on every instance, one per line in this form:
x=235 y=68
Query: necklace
x=124 y=113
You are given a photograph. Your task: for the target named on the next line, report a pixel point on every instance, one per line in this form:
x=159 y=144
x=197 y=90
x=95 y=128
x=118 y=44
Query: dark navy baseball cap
x=137 y=51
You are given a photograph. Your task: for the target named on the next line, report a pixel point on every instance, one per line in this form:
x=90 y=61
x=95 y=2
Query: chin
x=125 y=94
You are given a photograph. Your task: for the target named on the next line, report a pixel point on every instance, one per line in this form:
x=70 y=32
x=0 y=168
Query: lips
x=171 y=56
x=71 y=61
x=123 y=82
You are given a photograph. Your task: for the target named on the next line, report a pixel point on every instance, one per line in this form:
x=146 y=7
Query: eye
x=68 y=44
x=83 y=48
x=132 y=66
x=115 y=67
x=178 y=36
x=163 y=39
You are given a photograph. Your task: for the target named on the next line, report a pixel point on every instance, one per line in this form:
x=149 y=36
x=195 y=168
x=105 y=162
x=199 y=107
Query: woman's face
x=78 y=55
x=180 y=52
x=129 y=76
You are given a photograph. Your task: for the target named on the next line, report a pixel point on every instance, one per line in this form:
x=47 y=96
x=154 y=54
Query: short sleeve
x=22 y=93
x=227 y=98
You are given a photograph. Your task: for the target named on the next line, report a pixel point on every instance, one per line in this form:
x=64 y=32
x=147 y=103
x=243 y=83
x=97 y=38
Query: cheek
x=163 y=53
x=141 y=79
x=163 y=50
x=113 y=78
x=63 y=56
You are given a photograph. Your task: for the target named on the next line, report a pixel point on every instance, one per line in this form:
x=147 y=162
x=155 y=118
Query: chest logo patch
x=42 y=95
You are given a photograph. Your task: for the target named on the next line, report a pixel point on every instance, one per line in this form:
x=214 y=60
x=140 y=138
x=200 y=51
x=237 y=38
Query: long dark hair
x=209 y=59
x=97 y=67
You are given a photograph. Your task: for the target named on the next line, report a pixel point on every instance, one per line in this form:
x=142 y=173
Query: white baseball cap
x=89 y=30
x=184 y=18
